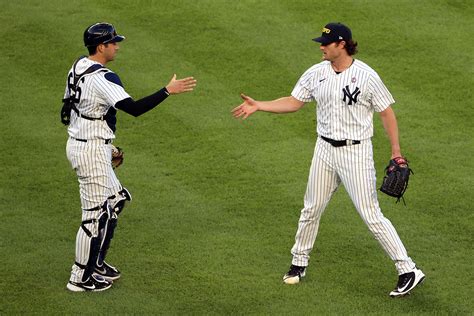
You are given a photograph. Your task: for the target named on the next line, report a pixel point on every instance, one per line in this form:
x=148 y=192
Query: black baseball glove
x=395 y=181
x=117 y=156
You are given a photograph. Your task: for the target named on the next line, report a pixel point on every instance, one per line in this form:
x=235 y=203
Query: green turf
x=216 y=201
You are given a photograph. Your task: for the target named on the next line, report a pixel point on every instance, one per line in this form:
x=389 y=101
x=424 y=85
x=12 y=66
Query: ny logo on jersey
x=350 y=96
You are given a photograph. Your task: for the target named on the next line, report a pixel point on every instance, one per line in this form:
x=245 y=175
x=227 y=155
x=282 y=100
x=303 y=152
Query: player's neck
x=98 y=58
x=342 y=63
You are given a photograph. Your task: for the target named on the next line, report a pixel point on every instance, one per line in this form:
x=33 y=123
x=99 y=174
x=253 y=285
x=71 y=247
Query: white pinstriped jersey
x=97 y=95
x=345 y=101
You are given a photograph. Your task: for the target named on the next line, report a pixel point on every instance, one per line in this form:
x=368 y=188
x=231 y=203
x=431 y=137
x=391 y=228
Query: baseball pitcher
x=347 y=92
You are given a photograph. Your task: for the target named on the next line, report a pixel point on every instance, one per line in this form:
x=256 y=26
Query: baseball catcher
x=92 y=96
x=395 y=181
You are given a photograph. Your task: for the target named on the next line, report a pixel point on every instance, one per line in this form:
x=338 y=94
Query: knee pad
x=118 y=200
x=126 y=194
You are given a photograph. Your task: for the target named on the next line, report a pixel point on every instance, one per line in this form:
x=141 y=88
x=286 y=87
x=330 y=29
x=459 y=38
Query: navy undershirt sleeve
x=143 y=105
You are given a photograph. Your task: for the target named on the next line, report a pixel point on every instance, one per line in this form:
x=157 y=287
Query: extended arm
x=139 y=107
x=389 y=122
x=281 y=105
x=145 y=104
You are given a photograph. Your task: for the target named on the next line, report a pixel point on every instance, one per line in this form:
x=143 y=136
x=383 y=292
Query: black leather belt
x=106 y=141
x=340 y=143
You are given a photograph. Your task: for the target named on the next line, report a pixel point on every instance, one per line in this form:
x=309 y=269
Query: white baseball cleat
x=407 y=282
x=295 y=274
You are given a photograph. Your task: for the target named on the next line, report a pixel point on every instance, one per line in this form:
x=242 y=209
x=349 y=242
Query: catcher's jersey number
x=74 y=91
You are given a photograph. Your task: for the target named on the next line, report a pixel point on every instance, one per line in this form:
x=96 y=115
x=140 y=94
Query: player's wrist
x=396 y=155
x=169 y=89
x=396 y=152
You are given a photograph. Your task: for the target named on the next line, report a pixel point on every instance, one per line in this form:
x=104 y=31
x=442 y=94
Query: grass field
x=216 y=201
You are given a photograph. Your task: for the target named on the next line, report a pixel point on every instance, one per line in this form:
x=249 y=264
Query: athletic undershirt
x=143 y=105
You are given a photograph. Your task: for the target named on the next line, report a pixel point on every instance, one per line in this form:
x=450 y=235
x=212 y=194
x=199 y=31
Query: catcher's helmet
x=101 y=33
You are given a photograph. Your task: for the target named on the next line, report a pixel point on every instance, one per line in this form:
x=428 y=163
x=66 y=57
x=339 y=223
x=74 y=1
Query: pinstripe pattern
x=353 y=166
x=97 y=182
x=97 y=95
x=92 y=159
x=92 y=163
x=336 y=119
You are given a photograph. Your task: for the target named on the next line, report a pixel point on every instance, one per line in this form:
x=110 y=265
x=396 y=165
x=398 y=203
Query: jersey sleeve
x=110 y=88
x=304 y=87
x=381 y=98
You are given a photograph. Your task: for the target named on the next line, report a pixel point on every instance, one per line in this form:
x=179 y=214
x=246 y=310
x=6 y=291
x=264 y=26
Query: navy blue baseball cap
x=334 y=32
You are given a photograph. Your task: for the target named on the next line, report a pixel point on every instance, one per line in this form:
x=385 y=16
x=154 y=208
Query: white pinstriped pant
x=354 y=167
x=92 y=162
x=97 y=181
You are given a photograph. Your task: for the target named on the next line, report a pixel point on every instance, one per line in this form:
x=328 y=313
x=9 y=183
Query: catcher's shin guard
x=114 y=206
x=89 y=242
x=107 y=238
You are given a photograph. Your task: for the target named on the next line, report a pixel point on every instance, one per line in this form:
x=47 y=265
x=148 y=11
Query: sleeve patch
x=112 y=77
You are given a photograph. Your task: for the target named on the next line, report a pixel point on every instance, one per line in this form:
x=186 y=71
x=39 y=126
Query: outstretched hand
x=176 y=86
x=247 y=108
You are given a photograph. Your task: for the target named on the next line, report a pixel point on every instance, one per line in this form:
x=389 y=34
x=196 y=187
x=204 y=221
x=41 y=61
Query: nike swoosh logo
x=92 y=287
x=100 y=271
x=322 y=80
x=406 y=286
x=89 y=287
